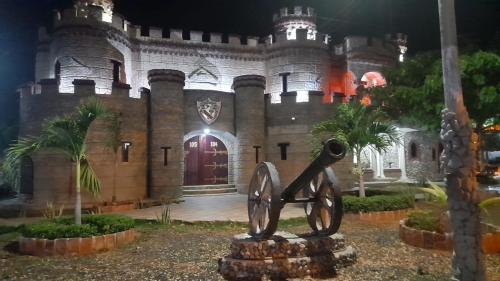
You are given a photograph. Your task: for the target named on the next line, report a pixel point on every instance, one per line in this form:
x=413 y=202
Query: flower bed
x=62 y=237
x=443 y=241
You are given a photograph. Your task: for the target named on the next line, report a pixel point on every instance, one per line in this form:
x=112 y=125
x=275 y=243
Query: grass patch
x=182 y=226
x=222 y=226
x=377 y=203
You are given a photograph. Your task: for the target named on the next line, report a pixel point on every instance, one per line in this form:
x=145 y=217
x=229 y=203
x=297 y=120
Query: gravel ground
x=186 y=252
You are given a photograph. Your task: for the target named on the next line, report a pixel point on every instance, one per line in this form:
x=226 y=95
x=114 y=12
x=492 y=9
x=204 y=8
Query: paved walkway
x=212 y=208
x=201 y=208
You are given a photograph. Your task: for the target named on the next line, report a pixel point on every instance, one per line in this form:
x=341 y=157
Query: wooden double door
x=205 y=161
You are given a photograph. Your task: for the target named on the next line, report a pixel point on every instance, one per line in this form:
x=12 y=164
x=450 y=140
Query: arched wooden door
x=205 y=161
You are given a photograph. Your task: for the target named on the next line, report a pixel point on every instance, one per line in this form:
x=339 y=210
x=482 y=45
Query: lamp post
x=459 y=158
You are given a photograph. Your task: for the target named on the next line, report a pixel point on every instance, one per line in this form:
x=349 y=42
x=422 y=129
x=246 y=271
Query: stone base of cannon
x=285 y=256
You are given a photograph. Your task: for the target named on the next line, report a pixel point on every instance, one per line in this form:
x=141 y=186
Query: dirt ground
x=190 y=252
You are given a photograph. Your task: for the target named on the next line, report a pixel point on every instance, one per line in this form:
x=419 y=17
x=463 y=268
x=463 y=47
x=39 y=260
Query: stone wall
x=423 y=165
x=307 y=62
x=291 y=122
x=53 y=172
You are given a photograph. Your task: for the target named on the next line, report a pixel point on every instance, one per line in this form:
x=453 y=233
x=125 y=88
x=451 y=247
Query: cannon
x=321 y=194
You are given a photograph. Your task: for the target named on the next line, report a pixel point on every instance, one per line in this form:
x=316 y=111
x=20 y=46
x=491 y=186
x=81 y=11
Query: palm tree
x=358 y=127
x=67 y=135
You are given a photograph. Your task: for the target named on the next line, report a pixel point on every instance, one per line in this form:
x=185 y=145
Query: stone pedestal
x=285 y=256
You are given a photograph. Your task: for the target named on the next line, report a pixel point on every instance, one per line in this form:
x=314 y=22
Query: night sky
x=477 y=19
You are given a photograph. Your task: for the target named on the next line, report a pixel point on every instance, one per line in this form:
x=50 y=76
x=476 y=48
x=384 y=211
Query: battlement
x=82 y=88
x=296 y=12
x=299 y=35
x=292 y=111
x=389 y=41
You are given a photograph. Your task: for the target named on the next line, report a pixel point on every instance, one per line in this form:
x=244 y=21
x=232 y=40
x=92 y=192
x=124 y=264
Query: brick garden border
x=437 y=241
x=75 y=246
x=385 y=216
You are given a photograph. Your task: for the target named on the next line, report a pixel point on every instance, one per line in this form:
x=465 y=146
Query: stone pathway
x=201 y=208
x=211 y=208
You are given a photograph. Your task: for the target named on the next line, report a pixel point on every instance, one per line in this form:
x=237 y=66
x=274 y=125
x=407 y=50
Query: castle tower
x=83 y=7
x=250 y=126
x=79 y=48
x=298 y=57
x=167 y=132
x=302 y=18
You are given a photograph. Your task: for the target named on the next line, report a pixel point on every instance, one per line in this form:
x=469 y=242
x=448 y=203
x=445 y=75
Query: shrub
x=376 y=203
x=91 y=225
x=7 y=229
x=107 y=224
x=52 y=230
x=423 y=220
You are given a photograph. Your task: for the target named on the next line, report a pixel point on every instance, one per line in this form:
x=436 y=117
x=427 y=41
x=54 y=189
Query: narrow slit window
x=284 y=81
x=116 y=70
x=165 y=155
x=125 y=151
x=283 y=149
x=413 y=150
x=57 y=71
x=257 y=148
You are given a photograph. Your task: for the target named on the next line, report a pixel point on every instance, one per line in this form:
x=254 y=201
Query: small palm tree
x=358 y=127
x=67 y=135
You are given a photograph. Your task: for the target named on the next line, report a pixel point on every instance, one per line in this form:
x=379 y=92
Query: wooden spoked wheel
x=264 y=201
x=324 y=213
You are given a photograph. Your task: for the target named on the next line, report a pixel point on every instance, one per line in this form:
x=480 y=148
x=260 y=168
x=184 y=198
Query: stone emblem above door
x=209 y=110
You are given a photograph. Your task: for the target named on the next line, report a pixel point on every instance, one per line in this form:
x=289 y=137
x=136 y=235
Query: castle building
x=198 y=110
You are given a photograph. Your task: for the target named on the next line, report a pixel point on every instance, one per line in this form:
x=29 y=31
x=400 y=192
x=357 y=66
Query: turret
x=86 y=8
x=300 y=18
x=167 y=132
x=298 y=57
x=250 y=126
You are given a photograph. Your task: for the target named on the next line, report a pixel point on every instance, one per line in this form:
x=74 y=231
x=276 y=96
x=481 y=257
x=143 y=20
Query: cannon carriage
x=321 y=194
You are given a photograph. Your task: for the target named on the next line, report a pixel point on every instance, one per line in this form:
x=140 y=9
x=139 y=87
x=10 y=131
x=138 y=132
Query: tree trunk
x=360 y=171
x=78 y=201
x=459 y=158
x=114 y=180
x=361 y=186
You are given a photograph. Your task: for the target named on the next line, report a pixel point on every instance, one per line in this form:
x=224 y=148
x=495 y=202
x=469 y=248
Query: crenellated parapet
x=292 y=111
x=41 y=101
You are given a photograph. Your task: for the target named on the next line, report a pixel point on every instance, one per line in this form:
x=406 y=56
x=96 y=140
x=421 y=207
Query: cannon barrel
x=332 y=151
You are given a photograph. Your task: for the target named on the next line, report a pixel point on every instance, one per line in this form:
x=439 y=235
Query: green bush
x=423 y=220
x=376 y=203
x=7 y=229
x=107 y=224
x=52 y=230
x=91 y=225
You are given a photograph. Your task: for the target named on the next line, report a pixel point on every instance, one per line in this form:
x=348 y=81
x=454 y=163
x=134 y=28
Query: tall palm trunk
x=459 y=157
x=78 y=201
x=360 y=171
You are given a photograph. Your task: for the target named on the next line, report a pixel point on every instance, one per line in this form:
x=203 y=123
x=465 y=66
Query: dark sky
x=418 y=18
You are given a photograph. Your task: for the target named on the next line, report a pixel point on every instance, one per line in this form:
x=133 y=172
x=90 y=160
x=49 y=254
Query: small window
x=433 y=154
x=57 y=71
x=283 y=149
x=116 y=70
x=165 y=155
x=413 y=150
x=284 y=81
x=125 y=151
x=256 y=153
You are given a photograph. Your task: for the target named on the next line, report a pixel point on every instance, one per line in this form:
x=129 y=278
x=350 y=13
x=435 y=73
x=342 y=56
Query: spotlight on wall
x=206 y=131
x=293 y=118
